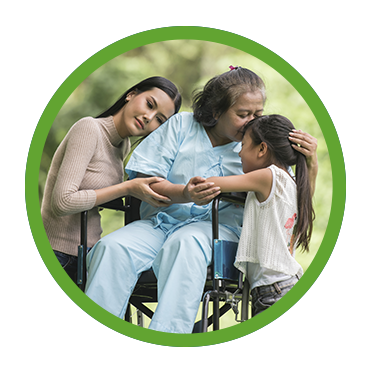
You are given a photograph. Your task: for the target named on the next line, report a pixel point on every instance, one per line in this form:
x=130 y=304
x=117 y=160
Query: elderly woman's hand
x=199 y=191
x=305 y=144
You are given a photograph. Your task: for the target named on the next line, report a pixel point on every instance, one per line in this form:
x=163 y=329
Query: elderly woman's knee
x=187 y=247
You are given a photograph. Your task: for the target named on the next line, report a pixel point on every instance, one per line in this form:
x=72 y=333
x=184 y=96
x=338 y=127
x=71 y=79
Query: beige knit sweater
x=89 y=157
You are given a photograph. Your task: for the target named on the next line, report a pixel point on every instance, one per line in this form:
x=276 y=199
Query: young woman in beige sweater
x=87 y=167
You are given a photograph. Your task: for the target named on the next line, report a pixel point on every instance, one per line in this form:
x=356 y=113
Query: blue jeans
x=292 y=326
x=46 y=303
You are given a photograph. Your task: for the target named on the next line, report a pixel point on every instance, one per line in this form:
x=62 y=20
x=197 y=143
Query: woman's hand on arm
x=197 y=191
x=200 y=191
x=138 y=187
x=308 y=147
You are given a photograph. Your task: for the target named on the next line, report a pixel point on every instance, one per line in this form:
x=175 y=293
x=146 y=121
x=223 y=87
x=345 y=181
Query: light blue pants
x=179 y=262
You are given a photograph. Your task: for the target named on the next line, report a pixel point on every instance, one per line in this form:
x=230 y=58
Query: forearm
x=107 y=194
x=258 y=181
x=254 y=181
x=72 y=203
x=173 y=191
x=226 y=184
x=197 y=191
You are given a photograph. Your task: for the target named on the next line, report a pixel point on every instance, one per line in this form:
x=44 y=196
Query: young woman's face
x=247 y=107
x=145 y=112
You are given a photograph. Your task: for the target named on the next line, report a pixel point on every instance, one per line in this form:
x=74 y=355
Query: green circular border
x=178 y=33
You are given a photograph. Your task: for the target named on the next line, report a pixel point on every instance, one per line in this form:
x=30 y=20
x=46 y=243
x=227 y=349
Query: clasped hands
x=200 y=191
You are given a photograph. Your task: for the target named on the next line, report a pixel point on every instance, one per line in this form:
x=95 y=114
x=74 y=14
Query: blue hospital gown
x=179 y=150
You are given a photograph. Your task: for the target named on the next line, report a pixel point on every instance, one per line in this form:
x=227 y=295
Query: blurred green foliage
x=318 y=53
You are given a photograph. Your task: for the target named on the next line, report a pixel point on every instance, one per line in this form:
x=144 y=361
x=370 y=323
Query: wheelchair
x=224 y=283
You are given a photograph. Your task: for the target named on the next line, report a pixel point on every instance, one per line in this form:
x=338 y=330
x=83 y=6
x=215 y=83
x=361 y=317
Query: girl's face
x=247 y=107
x=145 y=112
x=253 y=156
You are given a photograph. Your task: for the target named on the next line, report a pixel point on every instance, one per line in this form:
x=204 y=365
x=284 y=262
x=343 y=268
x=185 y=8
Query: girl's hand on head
x=140 y=188
x=305 y=144
x=199 y=191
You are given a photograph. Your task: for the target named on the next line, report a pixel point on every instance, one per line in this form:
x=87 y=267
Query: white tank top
x=266 y=238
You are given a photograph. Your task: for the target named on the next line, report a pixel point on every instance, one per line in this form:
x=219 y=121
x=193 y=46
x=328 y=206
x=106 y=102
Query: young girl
x=87 y=168
x=176 y=240
x=278 y=215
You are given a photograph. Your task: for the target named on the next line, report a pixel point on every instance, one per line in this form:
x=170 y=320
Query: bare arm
x=139 y=188
x=308 y=147
x=173 y=191
x=197 y=190
x=259 y=181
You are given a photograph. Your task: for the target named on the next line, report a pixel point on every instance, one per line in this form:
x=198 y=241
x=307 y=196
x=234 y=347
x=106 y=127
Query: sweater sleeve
x=76 y=154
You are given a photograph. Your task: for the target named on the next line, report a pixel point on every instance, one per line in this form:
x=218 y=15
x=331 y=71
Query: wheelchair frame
x=216 y=289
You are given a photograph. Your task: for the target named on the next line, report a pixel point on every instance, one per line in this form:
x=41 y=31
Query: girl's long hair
x=274 y=131
x=152 y=82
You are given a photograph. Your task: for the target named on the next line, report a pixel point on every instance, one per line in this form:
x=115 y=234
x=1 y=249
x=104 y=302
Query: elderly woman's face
x=247 y=107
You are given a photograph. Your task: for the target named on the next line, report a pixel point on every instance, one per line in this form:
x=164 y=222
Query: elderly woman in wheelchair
x=176 y=240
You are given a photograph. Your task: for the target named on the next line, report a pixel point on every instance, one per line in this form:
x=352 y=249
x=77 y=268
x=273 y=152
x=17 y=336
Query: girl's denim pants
x=46 y=303
x=292 y=326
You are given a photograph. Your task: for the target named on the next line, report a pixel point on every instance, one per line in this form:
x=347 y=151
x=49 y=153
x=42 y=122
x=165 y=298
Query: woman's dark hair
x=274 y=131
x=152 y=82
x=222 y=91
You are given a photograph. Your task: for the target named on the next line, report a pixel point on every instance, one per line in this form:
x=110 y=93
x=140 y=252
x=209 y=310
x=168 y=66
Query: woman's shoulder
x=87 y=124
x=188 y=116
x=86 y=130
x=178 y=124
x=182 y=117
x=87 y=121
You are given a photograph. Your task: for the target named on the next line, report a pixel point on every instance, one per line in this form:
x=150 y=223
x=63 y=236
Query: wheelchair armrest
x=131 y=207
x=117 y=204
x=235 y=198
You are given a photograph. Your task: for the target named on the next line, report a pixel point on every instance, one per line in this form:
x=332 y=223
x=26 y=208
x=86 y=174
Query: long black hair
x=222 y=91
x=152 y=82
x=274 y=131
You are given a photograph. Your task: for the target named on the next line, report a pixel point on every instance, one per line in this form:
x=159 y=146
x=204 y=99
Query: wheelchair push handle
x=234 y=198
